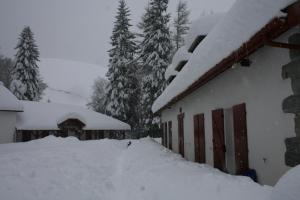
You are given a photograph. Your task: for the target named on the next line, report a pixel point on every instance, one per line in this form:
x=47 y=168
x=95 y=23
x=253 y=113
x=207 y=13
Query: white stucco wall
x=7 y=126
x=261 y=87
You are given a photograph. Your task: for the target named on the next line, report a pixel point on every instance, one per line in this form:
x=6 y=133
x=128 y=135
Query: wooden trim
x=11 y=110
x=283 y=45
x=270 y=31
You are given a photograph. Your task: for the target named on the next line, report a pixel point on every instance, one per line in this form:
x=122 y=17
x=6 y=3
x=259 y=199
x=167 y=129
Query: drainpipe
x=292 y=103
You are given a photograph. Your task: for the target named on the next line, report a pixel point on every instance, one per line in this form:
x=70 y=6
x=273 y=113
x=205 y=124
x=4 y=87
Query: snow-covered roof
x=71 y=115
x=46 y=116
x=244 y=20
x=201 y=26
x=8 y=102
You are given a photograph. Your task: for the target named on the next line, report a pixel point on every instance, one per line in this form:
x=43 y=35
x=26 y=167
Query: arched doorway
x=71 y=127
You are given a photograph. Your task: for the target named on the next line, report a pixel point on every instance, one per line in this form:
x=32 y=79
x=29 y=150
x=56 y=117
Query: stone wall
x=292 y=103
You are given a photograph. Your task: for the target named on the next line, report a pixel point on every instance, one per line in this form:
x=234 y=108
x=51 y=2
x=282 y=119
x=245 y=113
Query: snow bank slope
x=69 y=82
x=54 y=168
x=288 y=186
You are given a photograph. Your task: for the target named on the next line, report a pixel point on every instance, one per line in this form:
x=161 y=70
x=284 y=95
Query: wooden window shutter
x=180 y=118
x=240 y=138
x=166 y=134
x=199 y=138
x=162 y=125
x=170 y=135
x=218 y=139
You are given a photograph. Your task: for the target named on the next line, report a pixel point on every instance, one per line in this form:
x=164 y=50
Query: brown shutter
x=181 y=133
x=162 y=125
x=199 y=138
x=170 y=135
x=218 y=139
x=240 y=138
x=166 y=135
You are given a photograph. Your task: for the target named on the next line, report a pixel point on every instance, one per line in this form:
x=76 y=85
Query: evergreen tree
x=122 y=87
x=5 y=67
x=155 y=55
x=26 y=82
x=181 y=24
x=98 y=98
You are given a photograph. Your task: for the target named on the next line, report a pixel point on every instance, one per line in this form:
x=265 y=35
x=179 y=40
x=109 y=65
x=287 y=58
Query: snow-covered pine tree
x=98 y=98
x=181 y=24
x=155 y=54
x=26 y=81
x=122 y=87
x=5 y=67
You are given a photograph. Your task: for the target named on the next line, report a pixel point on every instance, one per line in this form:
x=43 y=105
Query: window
x=180 y=65
x=230 y=139
x=196 y=43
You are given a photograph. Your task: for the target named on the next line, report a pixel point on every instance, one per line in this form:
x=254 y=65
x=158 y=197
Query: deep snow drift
x=55 y=168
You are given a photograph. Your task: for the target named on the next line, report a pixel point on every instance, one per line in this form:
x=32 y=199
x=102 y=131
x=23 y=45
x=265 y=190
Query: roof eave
x=12 y=110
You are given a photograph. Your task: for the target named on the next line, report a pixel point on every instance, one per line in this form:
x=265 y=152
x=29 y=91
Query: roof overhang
x=269 y=32
x=11 y=111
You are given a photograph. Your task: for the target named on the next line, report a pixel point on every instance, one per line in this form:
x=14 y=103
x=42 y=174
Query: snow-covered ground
x=55 y=168
x=69 y=82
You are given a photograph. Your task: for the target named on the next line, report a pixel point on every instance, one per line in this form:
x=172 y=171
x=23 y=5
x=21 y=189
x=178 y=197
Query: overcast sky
x=77 y=29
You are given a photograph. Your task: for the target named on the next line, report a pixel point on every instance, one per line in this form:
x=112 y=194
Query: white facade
x=9 y=107
x=262 y=89
x=7 y=126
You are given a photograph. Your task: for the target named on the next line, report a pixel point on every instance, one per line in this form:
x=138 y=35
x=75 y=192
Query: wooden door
x=199 y=138
x=170 y=135
x=240 y=138
x=181 y=133
x=218 y=139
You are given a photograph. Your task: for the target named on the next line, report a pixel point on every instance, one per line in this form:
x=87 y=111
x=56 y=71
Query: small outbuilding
x=41 y=119
x=22 y=121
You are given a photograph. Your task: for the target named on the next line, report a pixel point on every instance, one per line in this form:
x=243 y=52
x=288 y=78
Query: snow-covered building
x=231 y=103
x=26 y=120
